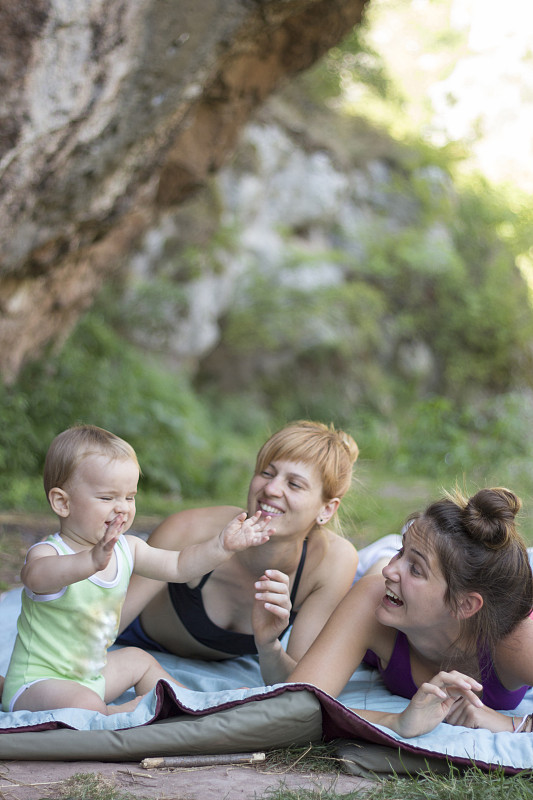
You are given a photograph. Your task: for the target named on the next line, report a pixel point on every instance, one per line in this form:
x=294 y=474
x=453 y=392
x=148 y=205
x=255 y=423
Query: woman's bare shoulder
x=370 y=586
x=359 y=604
x=192 y=524
x=365 y=594
x=327 y=550
x=514 y=655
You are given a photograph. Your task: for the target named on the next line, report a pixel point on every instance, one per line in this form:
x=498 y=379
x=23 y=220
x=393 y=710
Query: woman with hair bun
x=455 y=601
x=298 y=577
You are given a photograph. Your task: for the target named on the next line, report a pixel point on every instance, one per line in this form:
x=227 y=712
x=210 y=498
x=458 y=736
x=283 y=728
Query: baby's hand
x=103 y=550
x=243 y=532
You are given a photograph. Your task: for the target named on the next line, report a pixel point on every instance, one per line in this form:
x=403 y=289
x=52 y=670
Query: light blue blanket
x=220 y=685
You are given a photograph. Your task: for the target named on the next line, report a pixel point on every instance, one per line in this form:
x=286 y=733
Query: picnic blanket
x=226 y=708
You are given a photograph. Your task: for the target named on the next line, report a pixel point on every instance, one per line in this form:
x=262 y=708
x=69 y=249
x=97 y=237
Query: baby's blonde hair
x=69 y=448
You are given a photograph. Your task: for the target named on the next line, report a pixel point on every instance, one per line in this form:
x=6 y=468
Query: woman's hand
x=470 y=716
x=272 y=607
x=434 y=701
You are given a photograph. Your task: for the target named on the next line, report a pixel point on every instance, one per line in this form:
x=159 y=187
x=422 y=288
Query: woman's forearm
x=276 y=665
x=387 y=719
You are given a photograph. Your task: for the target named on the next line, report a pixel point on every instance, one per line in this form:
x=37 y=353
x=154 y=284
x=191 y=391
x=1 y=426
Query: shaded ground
x=32 y=780
x=37 y=779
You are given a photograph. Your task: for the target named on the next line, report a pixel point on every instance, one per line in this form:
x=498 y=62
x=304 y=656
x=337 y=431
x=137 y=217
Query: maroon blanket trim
x=53 y=725
x=338 y=722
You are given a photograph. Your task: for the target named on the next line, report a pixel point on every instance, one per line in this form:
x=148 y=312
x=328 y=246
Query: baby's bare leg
x=48 y=694
x=131 y=666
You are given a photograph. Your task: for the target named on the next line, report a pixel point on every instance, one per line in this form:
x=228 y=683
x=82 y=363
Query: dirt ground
x=33 y=780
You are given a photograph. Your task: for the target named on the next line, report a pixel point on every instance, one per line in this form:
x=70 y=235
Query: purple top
x=398 y=679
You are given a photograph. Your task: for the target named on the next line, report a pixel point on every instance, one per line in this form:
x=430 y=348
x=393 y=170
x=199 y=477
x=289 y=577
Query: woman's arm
x=514 y=656
x=340 y=647
x=514 y=666
x=191 y=526
x=331 y=580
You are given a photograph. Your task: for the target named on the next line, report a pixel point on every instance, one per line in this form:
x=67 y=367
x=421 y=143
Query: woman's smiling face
x=416 y=589
x=290 y=492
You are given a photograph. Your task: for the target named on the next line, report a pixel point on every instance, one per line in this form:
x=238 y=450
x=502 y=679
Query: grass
x=281 y=792
x=314 y=757
x=91 y=786
x=472 y=785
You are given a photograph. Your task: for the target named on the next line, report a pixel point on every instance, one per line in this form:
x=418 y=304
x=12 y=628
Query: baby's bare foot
x=125 y=707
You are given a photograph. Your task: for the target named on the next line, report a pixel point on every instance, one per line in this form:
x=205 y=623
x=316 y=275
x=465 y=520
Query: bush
x=99 y=379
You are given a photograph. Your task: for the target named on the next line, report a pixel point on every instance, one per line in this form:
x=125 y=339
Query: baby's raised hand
x=243 y=532
x=103 y=550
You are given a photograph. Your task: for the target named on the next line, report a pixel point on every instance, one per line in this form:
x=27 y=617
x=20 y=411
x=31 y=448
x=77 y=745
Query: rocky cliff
x=113 y=112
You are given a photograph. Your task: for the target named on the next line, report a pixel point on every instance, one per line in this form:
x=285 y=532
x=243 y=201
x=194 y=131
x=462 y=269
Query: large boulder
x=111 y=111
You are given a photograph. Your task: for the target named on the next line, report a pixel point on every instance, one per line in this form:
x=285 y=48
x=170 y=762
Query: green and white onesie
x=66 y=635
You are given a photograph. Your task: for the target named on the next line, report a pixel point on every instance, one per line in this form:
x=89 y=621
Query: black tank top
x=189 y=606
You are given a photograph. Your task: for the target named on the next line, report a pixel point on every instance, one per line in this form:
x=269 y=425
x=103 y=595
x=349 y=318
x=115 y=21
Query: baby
x=75 y=581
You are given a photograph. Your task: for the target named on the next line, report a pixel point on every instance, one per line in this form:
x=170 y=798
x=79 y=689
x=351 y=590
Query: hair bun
x=489 y=516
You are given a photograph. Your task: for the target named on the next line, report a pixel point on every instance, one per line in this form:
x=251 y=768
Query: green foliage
x=439 y=436
x=474 y=320
x=446 y=288
x=423 y=350
x=150 y=306
x=99 y=378
x=354 y=60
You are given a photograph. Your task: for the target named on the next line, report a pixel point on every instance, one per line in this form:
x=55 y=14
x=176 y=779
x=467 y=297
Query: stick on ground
x=202 y=760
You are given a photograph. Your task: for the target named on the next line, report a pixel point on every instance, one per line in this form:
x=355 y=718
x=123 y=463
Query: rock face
x=295 y=213
x=111 y=112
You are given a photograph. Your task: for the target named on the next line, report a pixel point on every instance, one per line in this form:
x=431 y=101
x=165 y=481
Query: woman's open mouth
x=393 y=598
x=266 y=509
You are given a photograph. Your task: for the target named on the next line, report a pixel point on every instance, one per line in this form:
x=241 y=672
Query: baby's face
x=101 y=491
